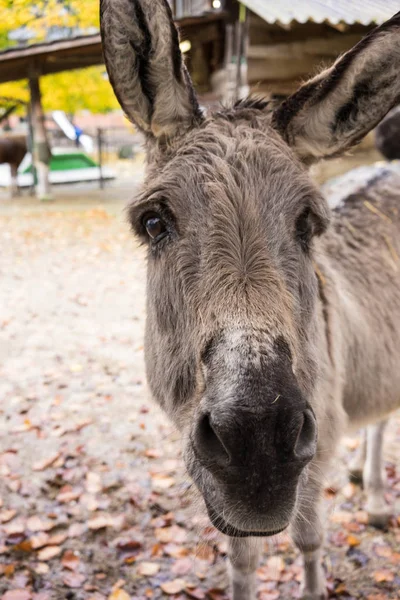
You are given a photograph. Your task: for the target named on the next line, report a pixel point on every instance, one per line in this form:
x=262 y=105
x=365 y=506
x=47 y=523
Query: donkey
x=273 y=322
x=12 y=151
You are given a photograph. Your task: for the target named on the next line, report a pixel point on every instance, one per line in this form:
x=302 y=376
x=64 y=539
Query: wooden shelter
x=289 y=41
x=204 y=31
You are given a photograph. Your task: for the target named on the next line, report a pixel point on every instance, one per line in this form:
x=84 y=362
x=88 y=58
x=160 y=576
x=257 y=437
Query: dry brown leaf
x=173 y=587
x=269 y=595
x=147 y=569
x=48 y=553
x=173 y=550
x=93 y=483
x=17 y=595
x=39 y=540
x=37 y=524
x=169 y=534
x=182 y=566
x=349 y=490
x=57 y=539
x=76 y=530
x=119 y=594
x=384 y=551
x=153 y=453
x=100 y=521
x=17 y=526
x=42 y=465
x=68 y=494
x=42 y=568
x=7 y=515
x=162 y=482
x=341 y=516
x=196 y=593
x=383 y=575
x=73 y=580
x=70 y=560
x=353 y=541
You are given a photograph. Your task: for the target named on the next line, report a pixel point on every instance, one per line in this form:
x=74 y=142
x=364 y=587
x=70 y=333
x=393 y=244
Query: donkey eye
x=304 y=228
x=155 y=227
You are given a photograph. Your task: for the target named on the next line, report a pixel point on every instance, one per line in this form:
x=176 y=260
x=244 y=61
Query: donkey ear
x=340 y=106
x=145 y=66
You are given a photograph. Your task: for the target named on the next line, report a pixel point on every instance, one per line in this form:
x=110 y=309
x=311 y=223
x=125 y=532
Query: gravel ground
x=94 y=501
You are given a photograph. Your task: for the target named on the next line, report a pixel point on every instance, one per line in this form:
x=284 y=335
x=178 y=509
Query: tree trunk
x=41 y=148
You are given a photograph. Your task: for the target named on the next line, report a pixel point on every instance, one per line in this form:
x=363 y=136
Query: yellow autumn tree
x=70 y=91
x=40 y=16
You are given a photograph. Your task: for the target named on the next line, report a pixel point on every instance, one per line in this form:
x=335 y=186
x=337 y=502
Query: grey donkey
x=273 y=322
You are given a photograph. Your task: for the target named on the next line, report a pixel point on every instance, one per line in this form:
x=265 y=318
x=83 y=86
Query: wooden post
x=41 y=147
x=100 y=155
x=30 y=148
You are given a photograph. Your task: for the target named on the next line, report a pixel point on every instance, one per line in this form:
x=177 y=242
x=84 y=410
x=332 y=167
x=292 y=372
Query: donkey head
x=230 y=218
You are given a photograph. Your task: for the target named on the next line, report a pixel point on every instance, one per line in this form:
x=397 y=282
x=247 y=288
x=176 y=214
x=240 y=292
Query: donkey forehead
x=229 y=156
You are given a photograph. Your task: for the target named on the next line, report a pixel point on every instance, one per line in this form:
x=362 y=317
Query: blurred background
x=94 y=501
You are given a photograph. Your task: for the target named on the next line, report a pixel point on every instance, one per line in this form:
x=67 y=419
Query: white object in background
x=69 y=130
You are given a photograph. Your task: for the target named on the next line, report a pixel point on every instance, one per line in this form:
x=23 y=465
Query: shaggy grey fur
x=268 y=314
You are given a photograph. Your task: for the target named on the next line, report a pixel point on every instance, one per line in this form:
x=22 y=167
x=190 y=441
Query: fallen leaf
x=39 y=540
x=384 y=551
x=272 y=569
x=17 y=595
x=349 y=491
x=57 y=539
x=99 y=522
x=183 y=566
x=8 y=570
x=352 y=540
x=42 y=465
x=167 y=534
x=7 y=515
x=42 y=568
x=70 y=560
x=269 y=595
x=173 y=587
x=148 y=569
x=153 y=453
x=216 y=594
x=48 y=553
x=73 y=580
x=68 y=494
x=341 y=516
x=37 y=524
x=76 y=530
x=119 y=594
x=383 y=575
x=93 y=483
x=196 y=593
x=162 y=482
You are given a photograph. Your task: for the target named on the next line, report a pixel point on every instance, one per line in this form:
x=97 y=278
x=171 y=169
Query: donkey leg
x=307 y=532
x=356 y=466
x=374 y=480
x=244 y=554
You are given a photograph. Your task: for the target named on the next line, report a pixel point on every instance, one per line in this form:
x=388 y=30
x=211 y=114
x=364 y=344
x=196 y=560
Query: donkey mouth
x=228 y=529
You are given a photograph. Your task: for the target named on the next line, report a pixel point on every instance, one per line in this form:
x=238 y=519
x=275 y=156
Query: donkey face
x=230 y=218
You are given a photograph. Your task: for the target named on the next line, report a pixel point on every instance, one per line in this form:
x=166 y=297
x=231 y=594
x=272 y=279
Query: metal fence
x=109 y=146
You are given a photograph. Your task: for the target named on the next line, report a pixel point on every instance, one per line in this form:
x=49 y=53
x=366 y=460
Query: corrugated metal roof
x=365 y=12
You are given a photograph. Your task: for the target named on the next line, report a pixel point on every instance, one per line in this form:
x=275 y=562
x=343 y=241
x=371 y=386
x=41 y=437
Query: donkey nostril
x=306 y=443
x=208 y=441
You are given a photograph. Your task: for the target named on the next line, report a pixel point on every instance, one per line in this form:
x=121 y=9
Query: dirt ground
x=94 y=501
